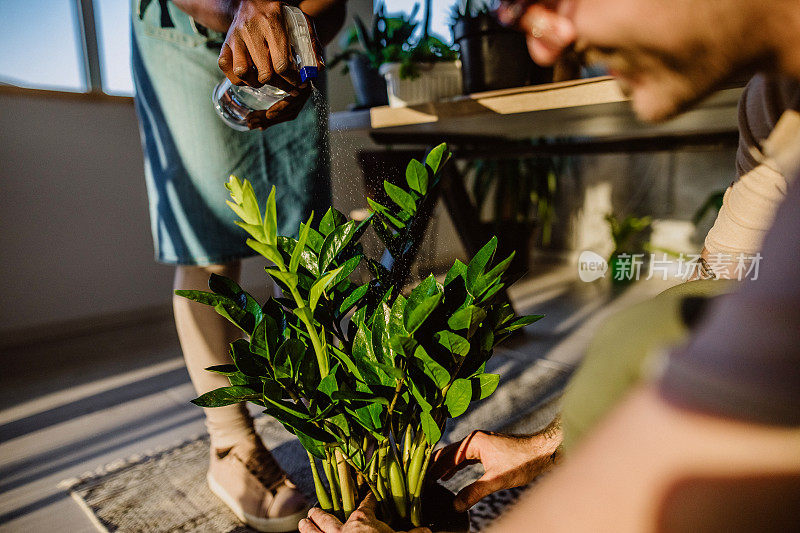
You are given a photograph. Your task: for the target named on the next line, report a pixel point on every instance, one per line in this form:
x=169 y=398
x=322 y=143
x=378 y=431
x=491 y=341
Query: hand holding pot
x=508 y=460
x=363 y=520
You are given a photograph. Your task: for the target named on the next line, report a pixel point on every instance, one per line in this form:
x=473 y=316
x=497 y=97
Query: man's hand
x=363 y=520
x=508 y=460
x=544 y=22
x=256 y=48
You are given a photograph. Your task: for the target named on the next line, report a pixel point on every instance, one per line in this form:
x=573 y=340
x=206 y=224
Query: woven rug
x=165 y=490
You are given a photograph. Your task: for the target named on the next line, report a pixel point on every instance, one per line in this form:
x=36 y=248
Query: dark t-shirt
x=744 y=360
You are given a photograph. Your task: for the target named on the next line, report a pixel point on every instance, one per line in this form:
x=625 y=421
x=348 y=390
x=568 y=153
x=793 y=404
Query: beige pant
x=204 y=337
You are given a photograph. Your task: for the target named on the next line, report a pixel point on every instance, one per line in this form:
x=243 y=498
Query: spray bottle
x=233 y=103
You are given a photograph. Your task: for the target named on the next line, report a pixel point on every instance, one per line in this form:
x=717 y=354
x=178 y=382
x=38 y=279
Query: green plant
x=520 y=190
x=711 y=204
x=384 y=42
x=468 y=10
x=363 y=375
x=627 y=233
x=429 y=48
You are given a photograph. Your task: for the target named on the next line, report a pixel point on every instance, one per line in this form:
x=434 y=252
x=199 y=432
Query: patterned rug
x=166 y=491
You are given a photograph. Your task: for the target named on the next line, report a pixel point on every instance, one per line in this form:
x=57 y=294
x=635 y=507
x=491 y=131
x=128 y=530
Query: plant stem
x=332 y=483
x=346 y=484
x=416 y=491
x=407 y=443
x=322 y=495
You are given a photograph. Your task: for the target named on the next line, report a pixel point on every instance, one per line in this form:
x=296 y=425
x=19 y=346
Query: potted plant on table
x=364 y=375
x=630 y=243
x=424 y=70
x=364 y=50
x=492 y=55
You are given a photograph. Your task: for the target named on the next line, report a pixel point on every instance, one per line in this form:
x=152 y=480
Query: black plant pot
x=494 y=57
x=369 y=85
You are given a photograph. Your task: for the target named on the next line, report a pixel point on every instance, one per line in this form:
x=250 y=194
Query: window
x=42 y=45
x=112 y=18
x=440 y=14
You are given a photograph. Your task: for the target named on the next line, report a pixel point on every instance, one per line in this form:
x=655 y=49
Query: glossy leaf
x=271 y=219
x=270 y=252
x=477 y=265
x=335 y=243
x=403 y=200
x=484 y=385
x=353 y=298
x=226 y=396
x=417 y=176
x=330 y=221
x=452 y=342
x=301 y=245
x=467 y=318
x=458 y=269
x=430 y=428
x=318 y=289
x=436 y=157
x=432 y=369
x=458 y=397
x=520 y=322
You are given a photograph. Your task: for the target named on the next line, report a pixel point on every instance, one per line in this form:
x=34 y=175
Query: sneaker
x=249 y=480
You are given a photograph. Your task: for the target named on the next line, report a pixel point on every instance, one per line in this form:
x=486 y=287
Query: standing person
x=181 y=50
x=712 y=441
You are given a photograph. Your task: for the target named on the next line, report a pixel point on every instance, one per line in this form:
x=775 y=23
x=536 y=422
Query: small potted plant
x=630 y=243
x=364 y=50
x=364 y=375
x=516 y=195
x=492 y=55
x=425 y=70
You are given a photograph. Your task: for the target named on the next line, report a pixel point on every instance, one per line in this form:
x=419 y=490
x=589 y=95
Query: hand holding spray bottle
x=234 y=103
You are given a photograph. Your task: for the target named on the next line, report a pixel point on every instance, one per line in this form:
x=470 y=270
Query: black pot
x=495 y=57
x=370 y=86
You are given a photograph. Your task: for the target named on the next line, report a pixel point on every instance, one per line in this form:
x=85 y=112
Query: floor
x=72 y=406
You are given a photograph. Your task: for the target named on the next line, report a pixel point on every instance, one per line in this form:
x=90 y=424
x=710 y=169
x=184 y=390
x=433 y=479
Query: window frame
x=90 y=63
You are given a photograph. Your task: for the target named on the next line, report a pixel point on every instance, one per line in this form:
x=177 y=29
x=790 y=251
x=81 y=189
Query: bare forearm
x=328 y=15
x=213 y=14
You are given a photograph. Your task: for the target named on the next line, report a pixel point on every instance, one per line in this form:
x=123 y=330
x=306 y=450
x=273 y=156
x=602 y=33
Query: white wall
x=75 y=240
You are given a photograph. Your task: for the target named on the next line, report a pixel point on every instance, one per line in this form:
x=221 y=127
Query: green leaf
x=226 y=396
x=490 y=278
x=288 y=359
x=435 y=157
x=432 y=369
x=421 y=302
x=478 y=263
x=271 y=220
x=430 y=428
x=227 y=287
x=287 y=278
x=347 y=268
x=467 y=318
x=458 y=269
x=319 y=287
x=452 y=342
x=256 y=230
x=314 y=447
x=331 y=221
x=301 y=245
x=248 y=363
x=520 y=322
x=485 y=385
x=404 y=200
x=225 y=370
x=335 y=243
x=353 y=298
x=384 y=214
x=308 y=258
x=269 y=251
x=417 y=176
x=329 y=385
x=458 y=397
